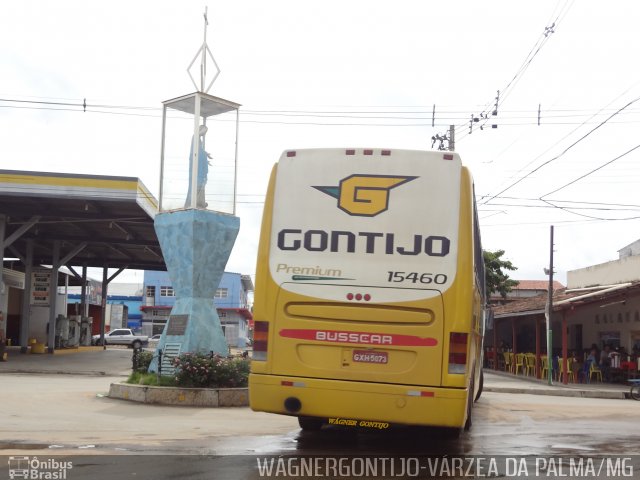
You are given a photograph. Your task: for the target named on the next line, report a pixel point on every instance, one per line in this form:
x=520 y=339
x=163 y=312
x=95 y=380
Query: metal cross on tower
x=204 y=52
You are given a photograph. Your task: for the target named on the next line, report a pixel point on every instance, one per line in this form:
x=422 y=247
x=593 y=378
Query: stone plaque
x=177 y=324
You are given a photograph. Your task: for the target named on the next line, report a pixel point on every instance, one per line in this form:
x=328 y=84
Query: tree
x=497 y=280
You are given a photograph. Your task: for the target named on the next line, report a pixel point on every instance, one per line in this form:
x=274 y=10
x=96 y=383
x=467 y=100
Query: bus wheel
x=481 y=385
x=310 y=424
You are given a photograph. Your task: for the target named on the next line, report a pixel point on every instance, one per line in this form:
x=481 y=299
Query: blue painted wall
x=133 y=304
x=230 y=281
x=158 y=279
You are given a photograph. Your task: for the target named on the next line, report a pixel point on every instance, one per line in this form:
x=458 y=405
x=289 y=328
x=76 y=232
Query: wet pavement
x=45 y=412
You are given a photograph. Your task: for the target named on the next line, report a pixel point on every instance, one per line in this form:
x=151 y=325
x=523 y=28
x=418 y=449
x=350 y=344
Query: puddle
x=560 y=446
x=23 y=446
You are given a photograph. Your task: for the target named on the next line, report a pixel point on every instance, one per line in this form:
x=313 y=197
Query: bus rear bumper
x=347 y=400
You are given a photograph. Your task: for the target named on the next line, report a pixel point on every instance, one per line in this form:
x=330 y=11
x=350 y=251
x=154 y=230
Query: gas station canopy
x=107 y=220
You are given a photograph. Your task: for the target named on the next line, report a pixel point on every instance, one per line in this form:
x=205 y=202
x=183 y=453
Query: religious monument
x=196 y=224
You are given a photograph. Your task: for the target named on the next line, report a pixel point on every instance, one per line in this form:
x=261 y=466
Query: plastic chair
x=519 y=363
x=490 y=358
x=544 y=370
x=530 y=363
x=595 y=370
x=570 y=376
x=508 y=361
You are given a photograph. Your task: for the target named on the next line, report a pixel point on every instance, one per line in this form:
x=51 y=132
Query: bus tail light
x=260 y=340
x=458 y=352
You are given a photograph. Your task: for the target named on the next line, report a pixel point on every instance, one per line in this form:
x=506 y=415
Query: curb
x=190 y=397
x=559 y=393
x=61 y=372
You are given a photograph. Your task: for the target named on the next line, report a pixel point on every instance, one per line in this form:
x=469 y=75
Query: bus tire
x=480 y=386
x=310 y=424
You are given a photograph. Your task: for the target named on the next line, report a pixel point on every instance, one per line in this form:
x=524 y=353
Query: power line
x=520 y=205
x=564 y=151
x=591 y=172
x=571 y=210
x=561 y=112
x=601 y=110
x=356 y=115
x=548 y=31
x=418 y=121
x=582 y=202
x=490 y=111
x=556 y=222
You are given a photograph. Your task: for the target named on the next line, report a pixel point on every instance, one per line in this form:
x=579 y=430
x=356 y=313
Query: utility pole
x=452 y=138
x=549 y=312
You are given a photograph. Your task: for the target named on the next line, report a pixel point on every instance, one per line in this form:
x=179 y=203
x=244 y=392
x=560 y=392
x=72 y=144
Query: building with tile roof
x=525 y=289
x=600 y=307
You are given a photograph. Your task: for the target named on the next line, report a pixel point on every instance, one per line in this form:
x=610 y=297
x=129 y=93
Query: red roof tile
x=538 y=303
x=537 y=285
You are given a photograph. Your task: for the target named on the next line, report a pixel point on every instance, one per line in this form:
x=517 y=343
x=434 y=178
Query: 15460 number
x=414 y=277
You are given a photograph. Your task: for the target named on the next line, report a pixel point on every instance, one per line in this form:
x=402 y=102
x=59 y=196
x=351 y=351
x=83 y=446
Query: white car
x=122 y=336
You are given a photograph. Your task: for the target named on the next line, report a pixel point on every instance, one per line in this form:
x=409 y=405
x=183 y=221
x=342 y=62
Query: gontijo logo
x=364 y=195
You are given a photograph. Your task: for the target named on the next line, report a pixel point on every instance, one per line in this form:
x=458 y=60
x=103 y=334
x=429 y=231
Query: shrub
x=144 y=360
x=205 y=371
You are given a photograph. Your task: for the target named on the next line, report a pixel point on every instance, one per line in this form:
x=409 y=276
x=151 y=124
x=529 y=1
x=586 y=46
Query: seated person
x=574 y=365
x=591 y=359
x=605 y=363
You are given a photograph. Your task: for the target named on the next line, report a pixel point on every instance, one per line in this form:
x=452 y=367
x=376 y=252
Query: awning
x=111 y=216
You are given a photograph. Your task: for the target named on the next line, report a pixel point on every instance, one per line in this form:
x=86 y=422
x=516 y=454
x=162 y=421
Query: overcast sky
x=352 y=74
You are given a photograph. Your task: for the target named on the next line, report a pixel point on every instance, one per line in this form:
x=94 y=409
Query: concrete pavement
x=116 y=361
x=502 y=382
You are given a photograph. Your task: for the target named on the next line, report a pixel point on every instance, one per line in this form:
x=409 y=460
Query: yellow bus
x=369 y=299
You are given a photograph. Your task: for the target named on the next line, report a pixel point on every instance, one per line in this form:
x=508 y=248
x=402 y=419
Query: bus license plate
x=369 y=356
